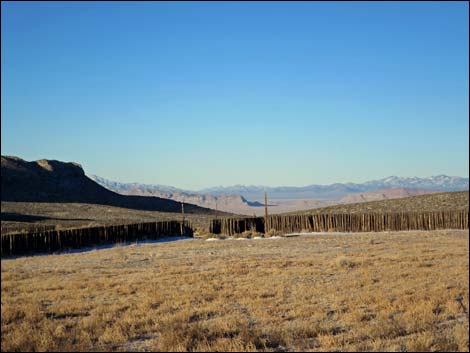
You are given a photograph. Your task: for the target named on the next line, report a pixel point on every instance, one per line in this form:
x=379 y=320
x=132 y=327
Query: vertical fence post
x=182 y=223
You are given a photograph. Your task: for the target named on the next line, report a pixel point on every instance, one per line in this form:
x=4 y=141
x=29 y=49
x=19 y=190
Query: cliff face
x=56 y=181
x=44 y=180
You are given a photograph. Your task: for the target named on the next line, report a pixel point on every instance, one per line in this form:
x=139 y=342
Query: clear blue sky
x=203 y=94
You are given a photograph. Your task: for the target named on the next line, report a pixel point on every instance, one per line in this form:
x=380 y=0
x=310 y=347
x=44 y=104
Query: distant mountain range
x=321 y=192
x=249 y=199
x=234 y=203
x=338 y=190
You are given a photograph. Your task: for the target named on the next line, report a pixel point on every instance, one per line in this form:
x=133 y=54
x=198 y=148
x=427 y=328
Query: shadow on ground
x=17 y=217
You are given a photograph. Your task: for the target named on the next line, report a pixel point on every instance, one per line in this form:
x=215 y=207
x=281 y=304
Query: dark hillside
x=59 y=182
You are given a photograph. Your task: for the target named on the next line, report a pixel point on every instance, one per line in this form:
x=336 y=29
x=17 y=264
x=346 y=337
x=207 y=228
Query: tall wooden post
x=216 y=223
x=182 y=223
x=266 y=213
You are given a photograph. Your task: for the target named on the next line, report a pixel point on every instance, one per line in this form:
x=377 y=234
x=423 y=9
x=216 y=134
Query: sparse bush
x=273 y=232
x=246 y=234
x=345 y=262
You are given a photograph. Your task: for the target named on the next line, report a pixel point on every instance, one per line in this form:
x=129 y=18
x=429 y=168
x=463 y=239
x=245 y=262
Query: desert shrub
x=346 y=262
x=273 y=232
x=246 y=234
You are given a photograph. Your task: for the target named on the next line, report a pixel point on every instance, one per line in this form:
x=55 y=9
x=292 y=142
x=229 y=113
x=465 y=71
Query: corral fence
x=67 y=239
x=62 y=240
x=365 y=222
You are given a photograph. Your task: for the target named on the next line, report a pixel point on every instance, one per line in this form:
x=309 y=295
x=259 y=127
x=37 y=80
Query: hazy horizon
x=196 y=95
x=273 y=186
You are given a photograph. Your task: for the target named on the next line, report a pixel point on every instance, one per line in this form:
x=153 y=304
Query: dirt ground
x=406 y=291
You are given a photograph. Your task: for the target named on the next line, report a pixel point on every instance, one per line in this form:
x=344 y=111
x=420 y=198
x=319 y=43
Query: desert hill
x=60 y=182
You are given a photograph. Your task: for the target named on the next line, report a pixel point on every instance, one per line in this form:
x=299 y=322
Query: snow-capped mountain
x=339 y=190
x=319 y=192
x=118 y=186
x=439 y=182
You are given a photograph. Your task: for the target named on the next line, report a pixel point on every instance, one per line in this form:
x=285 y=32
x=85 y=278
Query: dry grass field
x=405 y=291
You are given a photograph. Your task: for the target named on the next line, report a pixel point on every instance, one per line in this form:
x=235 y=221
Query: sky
x=199 y=94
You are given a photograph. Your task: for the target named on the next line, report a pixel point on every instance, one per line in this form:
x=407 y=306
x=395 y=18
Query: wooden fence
x=60 y=240
x=367 y=222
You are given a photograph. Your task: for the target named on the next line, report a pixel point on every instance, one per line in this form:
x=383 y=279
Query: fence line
x=366 y=222
x=60 y=240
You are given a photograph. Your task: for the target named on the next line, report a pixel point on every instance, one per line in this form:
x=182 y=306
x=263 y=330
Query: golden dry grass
x=405 y=291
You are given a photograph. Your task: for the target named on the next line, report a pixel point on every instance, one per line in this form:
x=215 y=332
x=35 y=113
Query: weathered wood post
x=266 y=228
x=182 y=223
